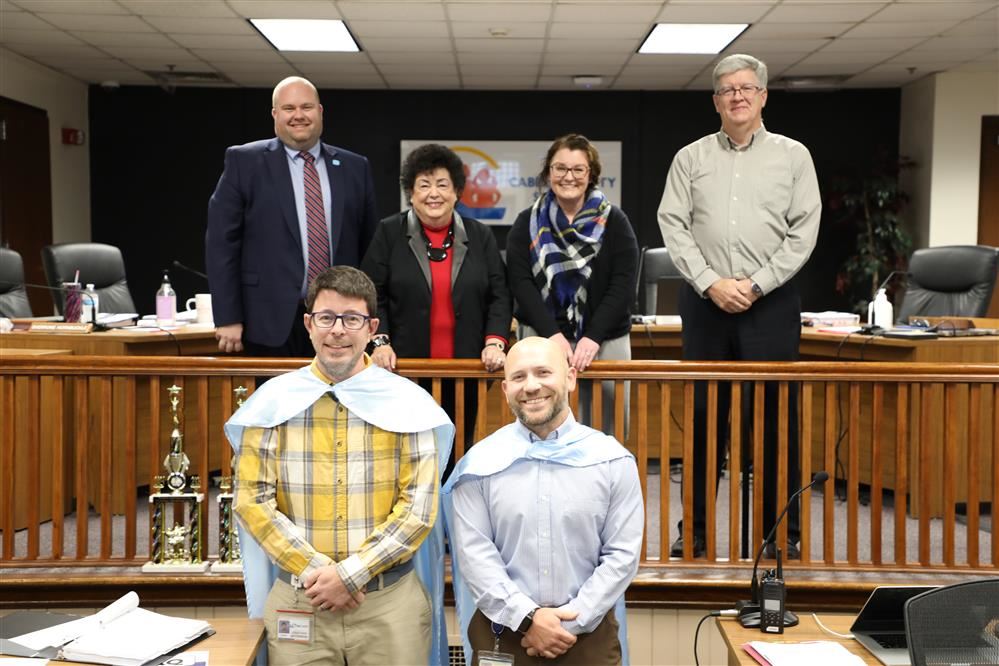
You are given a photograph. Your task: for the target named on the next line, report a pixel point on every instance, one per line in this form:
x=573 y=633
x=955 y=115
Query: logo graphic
x=481 y=196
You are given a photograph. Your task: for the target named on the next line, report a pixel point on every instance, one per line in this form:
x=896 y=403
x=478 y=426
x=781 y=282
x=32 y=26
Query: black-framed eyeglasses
x=748 y=90
x=352 y=321
x=560 y=170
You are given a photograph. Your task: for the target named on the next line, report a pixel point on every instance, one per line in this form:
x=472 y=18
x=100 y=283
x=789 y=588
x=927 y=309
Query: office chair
x=954 y=624
x=13 y=298
x=656 y=265
x=98 y=263
x=951 y=280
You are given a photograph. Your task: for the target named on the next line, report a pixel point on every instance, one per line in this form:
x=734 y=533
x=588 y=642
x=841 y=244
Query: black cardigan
x=610 y=292
x=479 y=294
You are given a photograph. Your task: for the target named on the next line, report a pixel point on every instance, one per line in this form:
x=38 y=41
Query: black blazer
x=397 y=263
x=609 y=294
x=253 y=246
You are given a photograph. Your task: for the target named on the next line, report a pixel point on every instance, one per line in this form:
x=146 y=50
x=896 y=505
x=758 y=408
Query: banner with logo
x=501 y=177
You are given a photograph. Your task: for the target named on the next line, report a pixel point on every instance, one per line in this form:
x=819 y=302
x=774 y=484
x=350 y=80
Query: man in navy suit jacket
x=255 y=246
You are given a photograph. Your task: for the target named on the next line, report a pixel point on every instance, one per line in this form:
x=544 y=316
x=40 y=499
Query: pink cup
x=74 y=302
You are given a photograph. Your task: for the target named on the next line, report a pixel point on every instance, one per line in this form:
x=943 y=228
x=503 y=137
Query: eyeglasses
x=351 y=320
x=748 y=91
x=560 y=170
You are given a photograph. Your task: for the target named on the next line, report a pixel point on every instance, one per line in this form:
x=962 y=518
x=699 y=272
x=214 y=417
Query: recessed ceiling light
x=691 y=38
x=306 y=34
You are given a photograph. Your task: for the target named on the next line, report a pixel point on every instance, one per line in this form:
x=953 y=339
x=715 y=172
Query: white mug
x=202 y=303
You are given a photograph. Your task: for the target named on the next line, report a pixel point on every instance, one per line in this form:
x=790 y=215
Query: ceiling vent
x=172 y=78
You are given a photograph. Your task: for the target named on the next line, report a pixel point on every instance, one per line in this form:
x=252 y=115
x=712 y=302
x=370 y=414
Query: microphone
x=188 y=269
x=888 y=279
x=749 y=611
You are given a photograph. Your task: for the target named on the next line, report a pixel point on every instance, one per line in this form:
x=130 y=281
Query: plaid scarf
x=561 y=253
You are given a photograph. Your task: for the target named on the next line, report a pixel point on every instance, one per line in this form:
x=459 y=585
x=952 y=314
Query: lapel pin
x=335 y=162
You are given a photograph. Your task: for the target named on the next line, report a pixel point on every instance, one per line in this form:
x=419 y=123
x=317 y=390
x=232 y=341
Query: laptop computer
x=880 y=625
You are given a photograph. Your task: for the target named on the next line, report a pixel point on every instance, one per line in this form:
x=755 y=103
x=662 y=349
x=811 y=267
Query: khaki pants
x=600 y=647
x=390 y=627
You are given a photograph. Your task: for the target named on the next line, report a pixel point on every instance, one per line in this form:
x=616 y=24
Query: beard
x=339 y=370
x=560 y=404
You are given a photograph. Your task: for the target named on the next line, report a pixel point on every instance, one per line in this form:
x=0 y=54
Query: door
x=988 y=195
x=26 y=192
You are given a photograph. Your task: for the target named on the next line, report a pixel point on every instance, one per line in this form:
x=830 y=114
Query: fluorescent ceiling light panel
x=306 y=34
x=691 y=38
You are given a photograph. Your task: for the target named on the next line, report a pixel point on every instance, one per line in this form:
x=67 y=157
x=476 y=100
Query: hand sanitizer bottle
x=89 y=299
x=166 y=303
x=880 y=311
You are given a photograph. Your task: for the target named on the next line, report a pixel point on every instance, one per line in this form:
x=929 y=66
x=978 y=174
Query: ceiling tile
x=179 y=8
x=845 y=57
x=498 y=13
x=621 y=12
x=821 y=12
x=230 y=55
x=424 y=29
x=179 y=61
x=440 y=70
x=425 y=82
x=500 y=84
x=732 y=12
x=587 y=58
x=929 y=11
x=820 y=30
x=987 y=24
x=480 y=29
x=573 y=70
x=143 y=39
x=931 y=58
x=65 y=61
x=665 y=61
x=355 y=10
x=633 y=31
x=163 y=55
x=595 y=45
x=308 y=57
x=500 y=45
x=277 y=70
x=102 y=22
x=218 y=26
x=825 y=70
x=36 y=51
x=422 y=57
x=220 y=41
x=886 y=45
x=53 y=37
x=956 y=43
x=74 y=6
x=307 y=9
x=22 y=21
x=758 y=46
x=334 y=82
x=375 y=44
x=500 y=69
x=512 y=58
x=979 y=66
x=900 y=29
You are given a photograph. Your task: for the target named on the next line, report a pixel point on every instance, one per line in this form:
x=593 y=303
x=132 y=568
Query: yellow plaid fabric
x=327 y=487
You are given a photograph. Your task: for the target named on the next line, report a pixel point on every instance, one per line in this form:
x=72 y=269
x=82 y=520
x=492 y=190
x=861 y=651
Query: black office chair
x=656 y=265
x=951 y=280
x=956 y=624
x=99 y=264
x=13 y=298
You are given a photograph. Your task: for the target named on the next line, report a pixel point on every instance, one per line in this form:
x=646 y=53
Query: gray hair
x=736 y=63
x=288 y=81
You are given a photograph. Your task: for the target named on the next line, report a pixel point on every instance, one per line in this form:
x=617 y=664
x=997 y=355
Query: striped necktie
x=315 y=216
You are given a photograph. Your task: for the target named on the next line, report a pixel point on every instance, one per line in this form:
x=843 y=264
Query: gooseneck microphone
x=885 y=282
x=188 y=269
x=749 y=611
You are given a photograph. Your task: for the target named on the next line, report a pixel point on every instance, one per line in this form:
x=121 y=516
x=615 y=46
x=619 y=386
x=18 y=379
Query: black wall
x=156 y=156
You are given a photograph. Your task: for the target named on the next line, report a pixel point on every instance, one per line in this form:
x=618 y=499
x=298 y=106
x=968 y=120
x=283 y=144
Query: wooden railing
x=85 y=435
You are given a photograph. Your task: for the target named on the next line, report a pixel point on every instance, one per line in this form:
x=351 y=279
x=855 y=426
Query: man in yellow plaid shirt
x=337 y=481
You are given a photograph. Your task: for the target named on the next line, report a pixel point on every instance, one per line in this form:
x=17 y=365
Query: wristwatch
x=757 y=290
x=496 y=343
x=380 y=341
x=528 y=620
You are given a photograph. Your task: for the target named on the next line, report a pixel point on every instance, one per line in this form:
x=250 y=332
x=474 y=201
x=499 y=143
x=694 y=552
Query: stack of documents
x=121 y=635
x=813 y=653
x=830 y=318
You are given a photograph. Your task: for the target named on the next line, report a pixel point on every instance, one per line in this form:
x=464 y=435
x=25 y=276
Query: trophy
x=175 y=547
x=229 y=556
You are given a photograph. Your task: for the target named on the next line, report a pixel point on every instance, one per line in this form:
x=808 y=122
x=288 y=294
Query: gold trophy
x=175 y=547
x=229 y=560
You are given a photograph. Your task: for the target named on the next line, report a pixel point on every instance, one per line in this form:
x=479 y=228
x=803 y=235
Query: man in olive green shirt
x=740 y=216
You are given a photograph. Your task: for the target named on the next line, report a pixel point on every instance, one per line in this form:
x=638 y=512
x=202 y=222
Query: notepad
x=813 y=653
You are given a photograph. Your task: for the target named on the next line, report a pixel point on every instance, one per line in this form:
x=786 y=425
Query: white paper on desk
x=813 y=653
x=63 y=633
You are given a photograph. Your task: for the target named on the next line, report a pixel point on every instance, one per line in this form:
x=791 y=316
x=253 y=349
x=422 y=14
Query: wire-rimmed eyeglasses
x=748 y=90
x=352 y=321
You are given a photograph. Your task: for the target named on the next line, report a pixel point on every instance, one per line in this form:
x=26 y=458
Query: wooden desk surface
x=24 y=351
x=191 y=340
x=735 y=636
x=235 y=642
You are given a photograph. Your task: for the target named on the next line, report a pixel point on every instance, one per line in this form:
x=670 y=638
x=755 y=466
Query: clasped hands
x=731 y=295
x=546 y=637
x=326 y=591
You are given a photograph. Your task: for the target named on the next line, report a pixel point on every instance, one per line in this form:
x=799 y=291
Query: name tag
x=294 y=626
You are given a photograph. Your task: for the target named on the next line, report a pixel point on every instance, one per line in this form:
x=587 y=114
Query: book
x=120 y=635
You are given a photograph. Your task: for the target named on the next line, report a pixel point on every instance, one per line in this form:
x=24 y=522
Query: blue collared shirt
x=297 y=167
x=540 y=533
